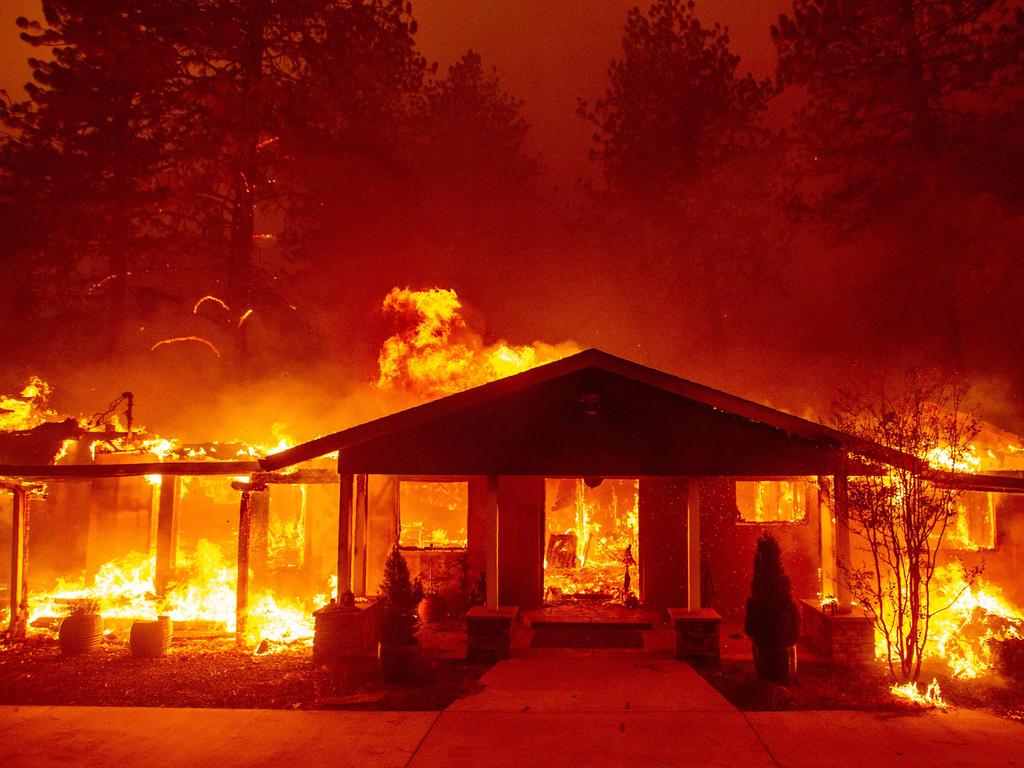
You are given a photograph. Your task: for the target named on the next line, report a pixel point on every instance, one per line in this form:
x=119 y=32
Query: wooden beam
x=89 y=471
x=693 y=544
x=166 y=532
x=297 y=477
x=259 y=536
x=344 y=535
x=18 y=585
x=359 y=526
x=491 y=534
x=242 y=585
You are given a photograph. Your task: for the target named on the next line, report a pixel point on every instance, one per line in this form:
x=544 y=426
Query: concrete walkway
x=584 y=710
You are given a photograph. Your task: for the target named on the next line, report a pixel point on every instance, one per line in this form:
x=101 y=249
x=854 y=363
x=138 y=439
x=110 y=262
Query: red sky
x=548 y=52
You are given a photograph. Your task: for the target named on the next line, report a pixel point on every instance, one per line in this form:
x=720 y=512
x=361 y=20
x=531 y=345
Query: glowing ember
x=178 y=339
x=436 y=353
x=931 y=696
x=213 y=299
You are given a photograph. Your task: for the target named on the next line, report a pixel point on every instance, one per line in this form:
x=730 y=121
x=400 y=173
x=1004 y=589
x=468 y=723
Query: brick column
x=697 y=635
x=489 y=633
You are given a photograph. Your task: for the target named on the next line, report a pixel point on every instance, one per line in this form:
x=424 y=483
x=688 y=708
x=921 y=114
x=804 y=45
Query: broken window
x=774 y=501
x=433 y=514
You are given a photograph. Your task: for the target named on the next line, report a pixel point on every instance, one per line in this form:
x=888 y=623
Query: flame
x=930 y=697
x=603 y=524
x=27 y=409
x=436 y=353
x=203 y=591
x=978 y=617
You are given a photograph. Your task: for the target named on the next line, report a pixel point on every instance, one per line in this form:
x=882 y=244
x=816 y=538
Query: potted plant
x=434 y=607
x=82 y=628
x=399 y=599
x=773 y=619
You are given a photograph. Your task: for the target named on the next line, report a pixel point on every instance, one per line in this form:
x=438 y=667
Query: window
x=432 y=515
x=774 y=501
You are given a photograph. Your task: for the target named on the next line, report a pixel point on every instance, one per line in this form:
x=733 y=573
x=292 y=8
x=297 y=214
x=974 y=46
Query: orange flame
x=436 y=353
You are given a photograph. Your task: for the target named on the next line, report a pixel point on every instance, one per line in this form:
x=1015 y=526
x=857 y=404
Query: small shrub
x=773 y=619
x=399 y=597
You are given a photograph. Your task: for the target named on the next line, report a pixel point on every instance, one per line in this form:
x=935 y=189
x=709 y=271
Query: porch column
x=345 y=535
x=18 y=587
x=491 y=540
x=827 y=538
x=166 y=531
x=359 y=524
x=244 y=551
x=842 y=536
x=693 y=544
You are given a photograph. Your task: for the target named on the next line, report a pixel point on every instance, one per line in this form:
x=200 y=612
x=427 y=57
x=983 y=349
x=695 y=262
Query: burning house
x=590 y=480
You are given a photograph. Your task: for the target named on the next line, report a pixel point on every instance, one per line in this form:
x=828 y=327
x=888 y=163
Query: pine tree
x=399 y=597
x=675 y=104
x=772 y=619
x=81 y=161
x=900 y=101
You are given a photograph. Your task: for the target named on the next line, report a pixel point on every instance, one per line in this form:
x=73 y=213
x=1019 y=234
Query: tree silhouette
x=675 y=104
x=901 y=102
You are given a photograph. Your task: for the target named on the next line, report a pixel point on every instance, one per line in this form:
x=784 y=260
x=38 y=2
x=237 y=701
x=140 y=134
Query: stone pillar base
x=489 y=633
x=697 y=635
x=341 y=632
x=841 y=638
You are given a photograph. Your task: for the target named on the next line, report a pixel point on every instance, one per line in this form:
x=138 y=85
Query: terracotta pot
x=432 y=608
x=775 y=663
x=398 y=662
x=80 y=633
x=151 y=639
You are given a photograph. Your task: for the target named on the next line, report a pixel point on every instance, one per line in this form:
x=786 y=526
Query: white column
x=693 y=544
x=827 y=538
x=842 y=558
x=491 y=540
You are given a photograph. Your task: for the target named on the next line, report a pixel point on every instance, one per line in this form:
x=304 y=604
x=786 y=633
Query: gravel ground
x=823 y=687
x=211 y=672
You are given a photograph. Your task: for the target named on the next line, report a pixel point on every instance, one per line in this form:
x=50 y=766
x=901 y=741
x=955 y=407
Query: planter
x=151 y=639
x=432 y=609
x=398 y=662
x=775 y=663
x=80 y=633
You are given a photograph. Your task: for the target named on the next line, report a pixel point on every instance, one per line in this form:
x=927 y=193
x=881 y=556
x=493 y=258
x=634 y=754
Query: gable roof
x=453 y=406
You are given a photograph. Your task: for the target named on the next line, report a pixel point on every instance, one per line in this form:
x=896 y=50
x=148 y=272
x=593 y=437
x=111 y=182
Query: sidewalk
x=585 y=710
